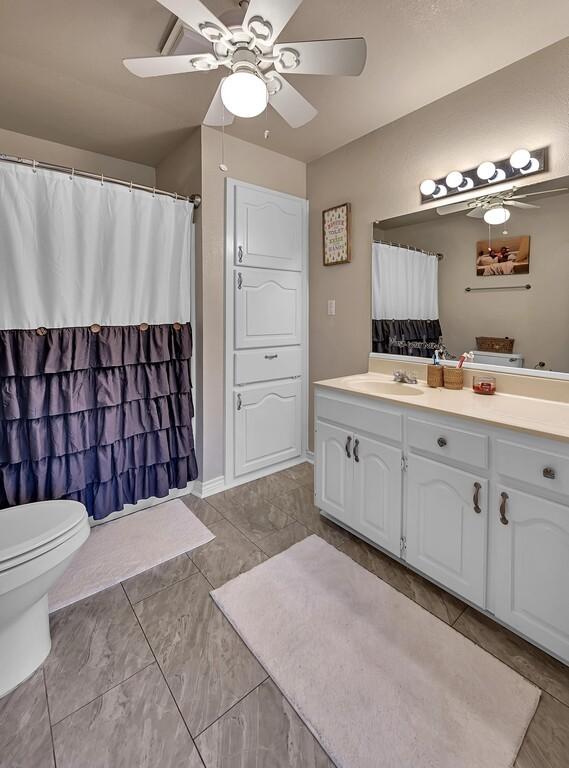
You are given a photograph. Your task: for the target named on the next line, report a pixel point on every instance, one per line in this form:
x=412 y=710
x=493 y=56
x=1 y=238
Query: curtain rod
x=410 y=248
x=33 y=164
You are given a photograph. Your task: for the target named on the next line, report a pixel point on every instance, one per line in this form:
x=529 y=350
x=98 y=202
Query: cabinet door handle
x=240 y=254
x=271 y=357
x=549 y=473
x=348 y=443
x=239 y=280
x=476 y=498
x=239 y=402
x=441 y=442
x=356 y=446
x=503 y=519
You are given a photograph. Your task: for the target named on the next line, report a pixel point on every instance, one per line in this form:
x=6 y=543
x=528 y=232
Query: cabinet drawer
x=543 y=469
x=267 y=364
x=447 y=442
x=361 y=418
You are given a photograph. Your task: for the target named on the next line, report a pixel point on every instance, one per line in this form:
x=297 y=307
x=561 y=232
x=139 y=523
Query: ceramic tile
x=135 y=724
x=226 y=556
x=275 y=484
x=257 y=519
x=241 y=494
x=157 y=578
x=280 y=540
x=25 y=736
x=543 y=670
x=303 y=474
x=206 y=664
x=263 y=731
x=299 y=503
x=201 y=509
x=436 y=600
x=546 y=744
x=96 y=643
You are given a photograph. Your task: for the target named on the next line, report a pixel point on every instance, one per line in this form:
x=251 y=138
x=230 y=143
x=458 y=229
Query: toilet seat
x=30 y=530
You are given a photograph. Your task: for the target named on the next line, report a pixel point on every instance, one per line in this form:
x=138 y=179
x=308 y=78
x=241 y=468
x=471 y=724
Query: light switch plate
x=331 y=306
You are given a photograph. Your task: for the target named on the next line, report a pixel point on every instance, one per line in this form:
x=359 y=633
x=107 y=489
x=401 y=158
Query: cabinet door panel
x=446 y=537
x=268 y=229
x=267 y=425
x=531 y=568
x=268 y=308
x=334 y=472
x=377 y=493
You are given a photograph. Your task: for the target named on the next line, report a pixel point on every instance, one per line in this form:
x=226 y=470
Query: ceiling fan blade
x=195 y=15
x=476 y=213
x=541 y=192
x=346 y=56
x=516 y=204
x=217 y=114
x=269 y=17
x=443 y=210
x=154 y=66
x=291 y=105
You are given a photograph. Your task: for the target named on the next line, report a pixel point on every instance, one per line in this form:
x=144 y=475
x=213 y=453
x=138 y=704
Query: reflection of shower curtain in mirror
x=405 y=304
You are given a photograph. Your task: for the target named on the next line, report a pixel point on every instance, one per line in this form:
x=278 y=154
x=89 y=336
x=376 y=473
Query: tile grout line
x=49 y=717
x=268 y=677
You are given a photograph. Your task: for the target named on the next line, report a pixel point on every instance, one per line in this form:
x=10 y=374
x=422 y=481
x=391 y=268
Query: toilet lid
x=28 y=526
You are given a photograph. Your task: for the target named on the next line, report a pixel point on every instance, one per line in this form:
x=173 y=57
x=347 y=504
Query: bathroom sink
x=385 y=388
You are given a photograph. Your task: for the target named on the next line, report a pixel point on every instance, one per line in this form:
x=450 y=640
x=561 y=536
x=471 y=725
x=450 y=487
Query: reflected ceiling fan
x=244 y=41
x=492 y=208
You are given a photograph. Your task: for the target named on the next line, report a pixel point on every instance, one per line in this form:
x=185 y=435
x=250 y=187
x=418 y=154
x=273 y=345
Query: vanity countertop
x=545 y=418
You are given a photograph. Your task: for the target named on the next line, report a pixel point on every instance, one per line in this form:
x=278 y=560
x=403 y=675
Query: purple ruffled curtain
x=104 y=417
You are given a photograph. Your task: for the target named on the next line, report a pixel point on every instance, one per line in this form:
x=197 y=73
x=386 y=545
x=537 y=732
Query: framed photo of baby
x=502 y=256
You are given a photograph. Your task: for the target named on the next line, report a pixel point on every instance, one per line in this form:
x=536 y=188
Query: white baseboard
x=310 y=456
x=209 y=487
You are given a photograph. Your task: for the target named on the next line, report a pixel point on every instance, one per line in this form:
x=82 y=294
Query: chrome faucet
x=404 y=378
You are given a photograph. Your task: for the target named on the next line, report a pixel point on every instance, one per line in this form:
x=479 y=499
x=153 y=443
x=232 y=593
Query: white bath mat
x=122 y=548
x=377 y=679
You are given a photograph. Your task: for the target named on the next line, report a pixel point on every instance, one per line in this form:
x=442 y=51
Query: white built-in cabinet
x=266 y=322
x=481 y=510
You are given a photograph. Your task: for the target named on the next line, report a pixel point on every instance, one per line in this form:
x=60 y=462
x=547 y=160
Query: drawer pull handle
x=549 y=473
x=476 y=498
x=348 y=443
x=271 y=357
x=356 y=446
x=239 y=280
x=441 y=442
x=503 y=519
x=240 y=254
x=239 y=402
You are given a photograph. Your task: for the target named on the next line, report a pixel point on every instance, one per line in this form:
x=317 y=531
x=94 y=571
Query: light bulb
x=454 y=179
x=486 y=170
x=531 y=167
x=520 y=158
x=427 y=187
x=497 y=215
x=244 y=94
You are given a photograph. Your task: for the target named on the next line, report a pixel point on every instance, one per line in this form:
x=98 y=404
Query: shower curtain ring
x=102 y=180
x=34 y=163
x=176 y=198
x=153 y=191
x=72 y=174
x=130 y=187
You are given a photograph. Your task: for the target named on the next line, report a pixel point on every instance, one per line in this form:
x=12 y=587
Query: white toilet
x=37 y=541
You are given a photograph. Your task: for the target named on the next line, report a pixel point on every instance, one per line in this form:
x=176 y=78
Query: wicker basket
x=435 y=375
x=494 y=344
x=453 y=377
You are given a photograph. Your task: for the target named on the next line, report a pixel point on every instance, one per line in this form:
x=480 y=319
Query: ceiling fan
x=244 y=41
x=492 y=208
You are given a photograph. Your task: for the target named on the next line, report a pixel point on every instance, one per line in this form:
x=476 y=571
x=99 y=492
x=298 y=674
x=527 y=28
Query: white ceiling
x=61 y=76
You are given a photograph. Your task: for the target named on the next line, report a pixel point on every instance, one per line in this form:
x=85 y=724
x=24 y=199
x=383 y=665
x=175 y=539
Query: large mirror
x=500 y=290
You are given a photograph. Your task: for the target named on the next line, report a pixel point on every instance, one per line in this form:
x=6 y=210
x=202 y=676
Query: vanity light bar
x=520 y=163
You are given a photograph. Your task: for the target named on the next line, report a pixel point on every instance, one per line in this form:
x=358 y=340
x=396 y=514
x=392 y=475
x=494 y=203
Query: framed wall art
x=336 y=235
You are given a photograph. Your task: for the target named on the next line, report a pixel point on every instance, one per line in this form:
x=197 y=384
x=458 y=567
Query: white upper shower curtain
x=405 y=304
x=77 y=251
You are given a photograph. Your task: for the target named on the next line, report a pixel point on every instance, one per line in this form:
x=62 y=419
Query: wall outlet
x=331 y=306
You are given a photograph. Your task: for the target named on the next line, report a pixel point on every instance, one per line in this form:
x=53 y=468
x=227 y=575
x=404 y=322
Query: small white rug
x=123 y=548
x=379 y=681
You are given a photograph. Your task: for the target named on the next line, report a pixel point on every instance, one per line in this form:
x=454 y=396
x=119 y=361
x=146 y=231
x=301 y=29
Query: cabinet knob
x=441 y=442
x=503 y=519
x=549 y=473
x=476 y=498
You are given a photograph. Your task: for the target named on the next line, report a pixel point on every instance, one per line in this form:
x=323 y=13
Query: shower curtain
x=405 y=306
x=95 y=341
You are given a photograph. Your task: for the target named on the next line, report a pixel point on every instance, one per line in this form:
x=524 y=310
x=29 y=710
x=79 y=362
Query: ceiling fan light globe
x=244 y=94
x=520 y=158
x=486 y=170
x=496 y=215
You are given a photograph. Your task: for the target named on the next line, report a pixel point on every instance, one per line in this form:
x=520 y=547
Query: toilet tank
x=510 y=359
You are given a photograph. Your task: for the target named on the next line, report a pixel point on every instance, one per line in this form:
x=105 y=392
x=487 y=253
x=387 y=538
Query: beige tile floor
x=149 y=674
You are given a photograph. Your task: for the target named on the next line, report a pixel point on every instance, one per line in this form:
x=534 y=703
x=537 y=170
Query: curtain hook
x=176 y=198
x=153 y=191
x=130 y=187
x=102 y=180
x=72 y=174
x=34 y=163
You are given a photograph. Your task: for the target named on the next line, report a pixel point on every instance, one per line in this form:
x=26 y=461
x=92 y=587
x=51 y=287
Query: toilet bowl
x=37 y=542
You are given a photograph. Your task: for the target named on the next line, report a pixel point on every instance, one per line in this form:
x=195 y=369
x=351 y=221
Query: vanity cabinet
x=480 y=509
x=447 y=519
